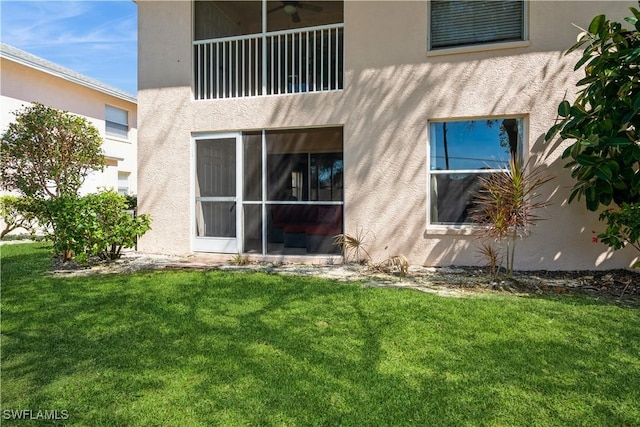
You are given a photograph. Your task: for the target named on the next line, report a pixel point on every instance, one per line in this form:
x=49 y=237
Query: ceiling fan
x=291 y=8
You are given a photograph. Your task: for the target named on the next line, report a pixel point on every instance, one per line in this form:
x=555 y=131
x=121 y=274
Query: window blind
x=116 y=122
x=116 y=115
x=459 y=23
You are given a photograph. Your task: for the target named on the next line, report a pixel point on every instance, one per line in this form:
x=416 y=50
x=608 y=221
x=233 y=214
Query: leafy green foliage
x=623 y=227
x=94 y=225
x=16 y=212
x=604 y=120
x=506 y=207
x=47 y=153
x=114 y=228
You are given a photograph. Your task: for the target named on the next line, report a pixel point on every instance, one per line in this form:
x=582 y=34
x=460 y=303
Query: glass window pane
x=116 y=115
x=117 y=130
x=304 y=165
x=287 y=177
x=303 y=228
x=475 y=144
x=252 y=166
x=326 y=176
x=215 y=219
x=253 y=228
x=123 y=183
x=216 y=168
x=451 y=197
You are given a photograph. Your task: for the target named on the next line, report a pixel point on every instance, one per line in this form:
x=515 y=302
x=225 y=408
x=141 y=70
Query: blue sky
x=94 y=38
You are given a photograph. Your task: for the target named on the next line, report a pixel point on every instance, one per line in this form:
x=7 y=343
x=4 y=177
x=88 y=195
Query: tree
x=46 y=153
x=16 y=212
x=604 y=124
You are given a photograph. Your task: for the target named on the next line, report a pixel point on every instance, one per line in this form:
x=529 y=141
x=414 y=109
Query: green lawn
x=180 y=348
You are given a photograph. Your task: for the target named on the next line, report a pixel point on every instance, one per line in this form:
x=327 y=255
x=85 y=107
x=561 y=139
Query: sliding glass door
x=275 y=192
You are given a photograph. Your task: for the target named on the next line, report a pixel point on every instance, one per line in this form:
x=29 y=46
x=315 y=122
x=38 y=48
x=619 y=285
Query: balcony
x=231 y=64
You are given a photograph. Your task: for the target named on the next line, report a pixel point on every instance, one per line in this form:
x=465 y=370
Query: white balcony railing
x=279 y=62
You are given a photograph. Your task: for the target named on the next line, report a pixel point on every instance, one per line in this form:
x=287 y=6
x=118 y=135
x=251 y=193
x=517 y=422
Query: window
x=123 y=183
x=468 y=23
x=117 y=122
x=462 y=151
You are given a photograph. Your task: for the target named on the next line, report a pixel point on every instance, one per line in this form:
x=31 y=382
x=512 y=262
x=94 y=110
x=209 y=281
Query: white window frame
x=480 y=46
x=466 y=228
x=128 y=179
x=111 y=114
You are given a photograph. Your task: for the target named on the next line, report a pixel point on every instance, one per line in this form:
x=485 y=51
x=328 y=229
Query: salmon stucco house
x=268 y=127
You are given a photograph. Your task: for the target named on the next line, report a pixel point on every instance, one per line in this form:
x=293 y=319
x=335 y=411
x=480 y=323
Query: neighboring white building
x=26 y=78
x=267 y=127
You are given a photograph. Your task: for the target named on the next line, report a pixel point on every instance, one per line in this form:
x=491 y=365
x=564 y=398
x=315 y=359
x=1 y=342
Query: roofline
x=21 y=57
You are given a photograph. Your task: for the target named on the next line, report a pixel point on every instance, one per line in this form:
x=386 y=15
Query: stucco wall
x=392 y=89
x=21 y=85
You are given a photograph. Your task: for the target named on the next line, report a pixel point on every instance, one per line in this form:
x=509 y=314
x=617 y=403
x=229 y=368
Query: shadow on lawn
x=25 y=260
x=213 y=348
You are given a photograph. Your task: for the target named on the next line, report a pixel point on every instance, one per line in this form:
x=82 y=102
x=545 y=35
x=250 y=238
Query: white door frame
x=218 y=244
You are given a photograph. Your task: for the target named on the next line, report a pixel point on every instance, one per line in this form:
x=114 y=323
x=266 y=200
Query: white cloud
x=40 y=24
x=96 y=38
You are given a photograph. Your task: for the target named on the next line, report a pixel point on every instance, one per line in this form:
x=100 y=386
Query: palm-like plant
x=353 y=246
x=507 y=203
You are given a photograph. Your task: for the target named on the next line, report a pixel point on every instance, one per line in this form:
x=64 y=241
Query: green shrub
x=94 y=225
x=116 y=229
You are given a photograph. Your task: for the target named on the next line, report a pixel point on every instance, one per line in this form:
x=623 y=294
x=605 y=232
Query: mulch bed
x=622 y=286
x=616 y=286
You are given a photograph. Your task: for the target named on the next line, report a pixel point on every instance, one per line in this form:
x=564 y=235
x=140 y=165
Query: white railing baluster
x=321 y=59
x=315 y=61
x=212 y=64
x=329 y=57
x=279 y=65
x=224 y=70
x=256 y=69
x=216 y=71
x=273 y=66
x=337 y=59
x=286 y=63
x=198 y=72
x=237 y=70
x=244 y=71
x=306 y=63
x=299 y=62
